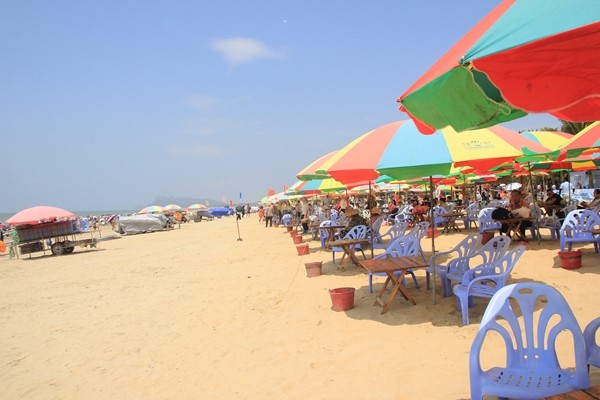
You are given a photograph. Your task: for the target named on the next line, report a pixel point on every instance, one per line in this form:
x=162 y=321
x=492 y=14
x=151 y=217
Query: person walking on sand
x=268 y=215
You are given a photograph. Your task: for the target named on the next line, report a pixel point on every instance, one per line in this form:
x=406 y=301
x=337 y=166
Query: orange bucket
x=570 y=259
x=313 y=268
x=302 y=249
x=297 y=239
x=2 y=247
x=342 y=299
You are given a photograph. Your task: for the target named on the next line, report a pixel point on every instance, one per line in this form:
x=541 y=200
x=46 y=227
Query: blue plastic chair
x=486 y=222
x=466 y=248
x=493 y=250
x=374 y=230
x=398 y=229
x=591 y=345
x=286 y=219
x=357 y=232
x=531 y=370
x=405 y=245
x=471 y=215
x=324 y=233
x=485 y=280
x=574 y=227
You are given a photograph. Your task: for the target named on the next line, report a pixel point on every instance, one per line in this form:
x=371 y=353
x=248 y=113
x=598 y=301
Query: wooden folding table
x=391 y=265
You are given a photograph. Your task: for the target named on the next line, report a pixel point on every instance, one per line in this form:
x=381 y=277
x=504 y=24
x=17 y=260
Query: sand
x=193 y=313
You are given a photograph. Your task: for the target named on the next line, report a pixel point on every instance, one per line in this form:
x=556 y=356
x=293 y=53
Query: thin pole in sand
x=238 y=226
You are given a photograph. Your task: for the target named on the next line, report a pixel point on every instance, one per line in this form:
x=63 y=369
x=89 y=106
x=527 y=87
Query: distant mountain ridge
x=182 y=201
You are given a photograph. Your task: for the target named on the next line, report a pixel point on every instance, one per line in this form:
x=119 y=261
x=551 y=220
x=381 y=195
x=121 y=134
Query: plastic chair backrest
x=529 y=340
x=405 y=245
x=486 y=223
x=591 y=345
x=494 y=249
x=502 y=266
x=473 y=211
x=419 y=230
x=357 y=232
x=577 y=222
x=468 y=246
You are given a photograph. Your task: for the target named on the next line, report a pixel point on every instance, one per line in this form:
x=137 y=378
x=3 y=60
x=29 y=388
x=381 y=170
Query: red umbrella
x=534 y=56
x=39 y=214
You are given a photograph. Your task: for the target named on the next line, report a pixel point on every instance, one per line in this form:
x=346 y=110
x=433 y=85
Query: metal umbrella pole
x=370 y=219
x=433 y=271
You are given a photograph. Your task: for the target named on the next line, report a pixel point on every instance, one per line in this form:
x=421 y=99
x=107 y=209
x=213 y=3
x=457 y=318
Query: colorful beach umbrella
x=316 y=186
x=585 y=142
x=314 y=170
x=527 y=56
x=151 y=210
x=39 y=214
x=401 y=152
x=197 y=206
x=172 y=207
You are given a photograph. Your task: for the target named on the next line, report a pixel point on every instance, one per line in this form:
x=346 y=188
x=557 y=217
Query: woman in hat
x=354 y=219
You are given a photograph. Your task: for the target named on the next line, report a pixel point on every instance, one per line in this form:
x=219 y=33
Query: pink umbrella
x=39 y=214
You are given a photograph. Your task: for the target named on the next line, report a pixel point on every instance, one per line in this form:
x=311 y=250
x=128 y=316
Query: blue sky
x=106 y=105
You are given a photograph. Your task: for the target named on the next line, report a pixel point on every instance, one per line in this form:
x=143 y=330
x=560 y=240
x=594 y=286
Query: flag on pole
x=270 y=192
x=285 y=188
x=206 y=202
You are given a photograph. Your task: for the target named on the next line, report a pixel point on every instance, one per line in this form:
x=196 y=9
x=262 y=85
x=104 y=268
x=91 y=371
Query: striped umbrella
x=172 y=207
x=313 y=170
x=526 y=56
x=151 y=210
x=197 y=206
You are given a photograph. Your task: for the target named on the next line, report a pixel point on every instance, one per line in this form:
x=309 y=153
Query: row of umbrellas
x=399 y=152
x=39 y=214
x=171 y=208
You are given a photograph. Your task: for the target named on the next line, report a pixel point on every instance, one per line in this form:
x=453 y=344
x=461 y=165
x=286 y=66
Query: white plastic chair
x=531 y=368
x=466 y=248
x=485 y=280
x=405 y=245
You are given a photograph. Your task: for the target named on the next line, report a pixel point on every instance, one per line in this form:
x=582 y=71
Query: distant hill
x=182 y=201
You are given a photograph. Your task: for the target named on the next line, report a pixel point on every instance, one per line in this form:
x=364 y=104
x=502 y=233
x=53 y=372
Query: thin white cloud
x=197 y=151
x=201 y=102
x=241 y=50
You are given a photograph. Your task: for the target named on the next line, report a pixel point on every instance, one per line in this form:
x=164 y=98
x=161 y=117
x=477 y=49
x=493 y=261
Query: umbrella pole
x=533 y=193
x=370 y=219
x=433 y=272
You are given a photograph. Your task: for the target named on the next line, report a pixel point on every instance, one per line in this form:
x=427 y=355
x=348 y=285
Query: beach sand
x=193 y=313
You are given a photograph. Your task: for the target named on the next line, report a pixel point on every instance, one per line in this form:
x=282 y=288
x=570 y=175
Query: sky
x=107 y=105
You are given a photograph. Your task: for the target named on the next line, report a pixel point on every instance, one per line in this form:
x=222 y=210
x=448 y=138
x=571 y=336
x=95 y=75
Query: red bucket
x=435 y=233
x=342 y=299
x=302 y=249
x=297 y=239
x=570 y=259
x=313 y=268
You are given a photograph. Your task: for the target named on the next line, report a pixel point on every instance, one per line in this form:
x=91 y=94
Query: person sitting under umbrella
x=553 y=204
x=518 y=209
x=354 y=219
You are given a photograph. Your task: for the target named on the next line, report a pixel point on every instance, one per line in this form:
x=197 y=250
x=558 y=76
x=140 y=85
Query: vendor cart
x=59 y=237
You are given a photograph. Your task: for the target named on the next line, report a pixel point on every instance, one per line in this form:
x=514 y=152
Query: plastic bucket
x=570 y=259
x=313 y=268
x=297 y=239
x=342 y=299
x=302 y=249
x=486 y=237
x=293 y=233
